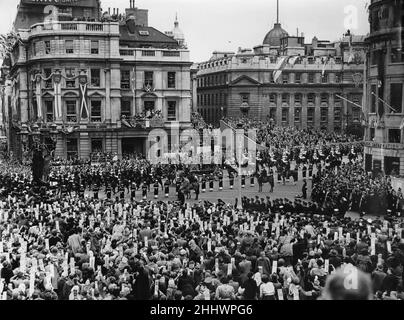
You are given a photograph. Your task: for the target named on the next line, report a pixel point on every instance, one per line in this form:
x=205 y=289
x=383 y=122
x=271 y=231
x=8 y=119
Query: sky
x=226 y=25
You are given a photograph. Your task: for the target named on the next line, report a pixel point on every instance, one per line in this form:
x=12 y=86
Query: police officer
x=96 y=189
x=144 y=191
x=156 y=189
x=220 y=181
x=108 y=190
x=167 y=188
x=211 y=182
x=133 y=191
x=231 y=180
x=252 y=181
x=203 y=183
x=121 y=189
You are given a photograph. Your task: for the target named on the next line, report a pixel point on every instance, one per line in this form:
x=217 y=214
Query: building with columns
x=384 y=135
x=103 y=81
x=287 y=80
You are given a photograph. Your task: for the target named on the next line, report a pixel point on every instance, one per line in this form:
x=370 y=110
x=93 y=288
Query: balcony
x=72 y=27
x=151 y=55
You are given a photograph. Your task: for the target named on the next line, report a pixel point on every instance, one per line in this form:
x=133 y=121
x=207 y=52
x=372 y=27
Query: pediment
x=245 y=81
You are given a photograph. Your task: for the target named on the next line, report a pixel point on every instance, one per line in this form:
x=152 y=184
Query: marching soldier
x=167 y=188
x=252 y=182
x=220 y=181
x=211 y=182
x=156 y=189
x=203 y=184
x=231 y=178
x=144 y=191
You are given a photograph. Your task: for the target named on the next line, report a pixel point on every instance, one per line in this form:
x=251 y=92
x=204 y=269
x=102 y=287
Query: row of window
x=310 y=78
x=211 y=114
x=148 y=79
x=393 y=135
x=72 y=112
x=395 y=100
x=68 y=46
x=95 y=78
x=396 y=56
x=221 y=99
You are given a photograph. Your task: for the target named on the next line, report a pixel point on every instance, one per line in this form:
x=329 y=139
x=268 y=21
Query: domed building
x=177 y=33
x=273 y=37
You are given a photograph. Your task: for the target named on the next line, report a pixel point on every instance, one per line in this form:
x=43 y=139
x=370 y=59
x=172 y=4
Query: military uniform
x=203 y=183
x=252 y=181
x=156 y=189
x=96 y=189
x=144 y=191
x=243 y=181
x=220 y=181
x=211 y=183
x=133 y=191
x=108 y=190
x=231 y=177
x=167 y=188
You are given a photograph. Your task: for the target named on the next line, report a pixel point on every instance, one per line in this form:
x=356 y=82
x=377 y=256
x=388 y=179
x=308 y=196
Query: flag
x=279 y=68
x=38 y=93
x=83 y=101
x=324 y=67
x=292 y=60
x=58 y=96
x=402 y=124
x=380 y=78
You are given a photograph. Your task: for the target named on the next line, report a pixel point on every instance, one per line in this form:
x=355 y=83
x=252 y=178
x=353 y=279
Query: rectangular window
x=48 y=82
x=324 y=79
x=285 y=115
x=396 y=96
x=72 y=148
x=245 y=97
x=324 y=98
x=356 y=114
x=171 y=80
x=285 y=98
x=96 y=146
x=372 y=133
x=126 y=108
x=272 y=98
x=311 y=78
x=95 y=47
x=394 y=135
x=47 y=47
x=172 y=111
x=337 y=78
x=373 y=98
x=297 y=78
x=310 y=115
x=125 y=79
x=324 y=115
x=311 y=98
x=285 y=78
x=95 y=77
x=70 y=73
x=337 y=114
x=71 y=111
x=298 y=98
x=96 y=111
x=149 y=105
x=69 y=46
x=49 y=110
x=397 y=56
x=148 y=78
x=272 y=113
x=297 y=114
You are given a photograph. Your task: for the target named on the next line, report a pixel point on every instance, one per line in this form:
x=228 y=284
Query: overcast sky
x=226 y=25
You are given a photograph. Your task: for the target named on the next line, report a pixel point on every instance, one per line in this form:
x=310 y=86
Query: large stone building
x=284 y=79
x=104 y=81
x=384 y=95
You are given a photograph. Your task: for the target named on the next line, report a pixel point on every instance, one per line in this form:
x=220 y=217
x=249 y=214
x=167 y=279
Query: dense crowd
x=71 y=245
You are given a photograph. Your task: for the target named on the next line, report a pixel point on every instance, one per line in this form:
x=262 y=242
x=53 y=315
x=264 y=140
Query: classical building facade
x=104 y=80
x=286 y=80
x=384 y=151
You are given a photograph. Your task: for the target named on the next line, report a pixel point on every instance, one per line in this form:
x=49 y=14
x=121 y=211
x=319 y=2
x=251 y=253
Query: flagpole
x=355 y=104
x=384 y=102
